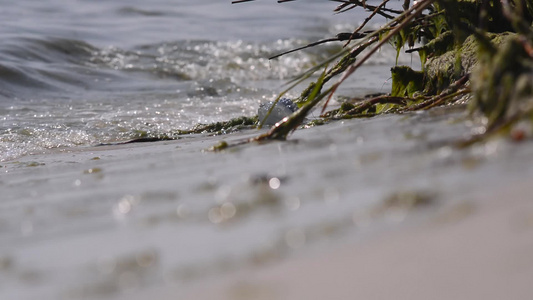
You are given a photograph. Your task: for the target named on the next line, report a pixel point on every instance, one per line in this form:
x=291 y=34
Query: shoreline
x=481 y=254
x=286 y=219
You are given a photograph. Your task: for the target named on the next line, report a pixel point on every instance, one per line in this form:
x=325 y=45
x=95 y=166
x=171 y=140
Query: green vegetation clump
x=447 y=67
x=406 y=81
x=503 y=85
x=476 y=51
x=217 y=128
x=223 y=127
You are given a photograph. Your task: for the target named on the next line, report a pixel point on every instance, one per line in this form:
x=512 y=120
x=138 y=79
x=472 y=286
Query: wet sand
x=477 y=251
x=381 y=208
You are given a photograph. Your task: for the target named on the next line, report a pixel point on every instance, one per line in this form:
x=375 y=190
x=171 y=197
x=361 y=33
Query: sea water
x=79 y=73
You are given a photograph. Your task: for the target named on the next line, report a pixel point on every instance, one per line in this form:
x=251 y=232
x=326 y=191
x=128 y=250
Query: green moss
x=346 y=106
x=438 y=46
x=440 y=71
x=502 y=81
x=406 y=81
x=315 y=122
x=219 y=146
x=463 y=15
x=222 y=127
x=345 y=61
x=471 y=46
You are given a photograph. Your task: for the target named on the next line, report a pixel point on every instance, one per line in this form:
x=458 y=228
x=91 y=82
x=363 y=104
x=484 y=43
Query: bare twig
x=366 y=104
x=409 y=15
x=356 y=31
x=343 y=36
x=443 y=96
x=240 y=1
x=383 y=11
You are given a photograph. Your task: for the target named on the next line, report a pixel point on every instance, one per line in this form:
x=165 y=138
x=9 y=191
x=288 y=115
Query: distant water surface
x=75 y=73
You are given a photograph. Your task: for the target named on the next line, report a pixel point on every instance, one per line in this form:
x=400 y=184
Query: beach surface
x=380 y=208
x=461 y=254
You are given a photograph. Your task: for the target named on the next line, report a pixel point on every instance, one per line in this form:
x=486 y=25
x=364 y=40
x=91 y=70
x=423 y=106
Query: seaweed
x=222 y=127
x=475 y=51
x=216 y=128
x=478 y=52
x=406 y=81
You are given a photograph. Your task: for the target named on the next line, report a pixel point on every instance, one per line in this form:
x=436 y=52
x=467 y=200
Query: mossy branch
x=454 y=29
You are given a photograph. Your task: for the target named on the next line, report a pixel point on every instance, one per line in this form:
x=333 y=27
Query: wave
x=66 y=65
x=62 y=65
x=30 y=66
x=62 y=92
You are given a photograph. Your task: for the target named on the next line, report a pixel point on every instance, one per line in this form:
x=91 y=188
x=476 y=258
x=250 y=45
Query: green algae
x=435 y=47
x=219 y=146
x=345 y=61
x=442 y=70
x=32 y=164
x=315 y=122
x=478 y=54
x=471 y=51
x=406 y=81
x=92 y=171
x=216 y=128
x=502 y=83
x=232 y=125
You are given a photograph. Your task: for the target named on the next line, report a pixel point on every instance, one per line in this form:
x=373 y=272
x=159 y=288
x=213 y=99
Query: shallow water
x=77 y=73
x=117 y=222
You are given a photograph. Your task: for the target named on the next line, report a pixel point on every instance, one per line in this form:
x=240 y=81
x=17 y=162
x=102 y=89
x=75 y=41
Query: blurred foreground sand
x=309 y=218
x=485 y=253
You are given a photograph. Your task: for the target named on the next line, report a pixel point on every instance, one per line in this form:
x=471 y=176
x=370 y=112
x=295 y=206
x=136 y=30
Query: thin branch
x=240 y=1
x=369 y=18
x=371 y=7
x=417 y=9
x=343 y=36
x=377 y=100
x=443 y=96
x=342 y=7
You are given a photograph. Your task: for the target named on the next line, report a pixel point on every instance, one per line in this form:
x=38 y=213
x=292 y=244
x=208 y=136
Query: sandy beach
x=479 y=254
x=381 y=208
x=463 y=253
